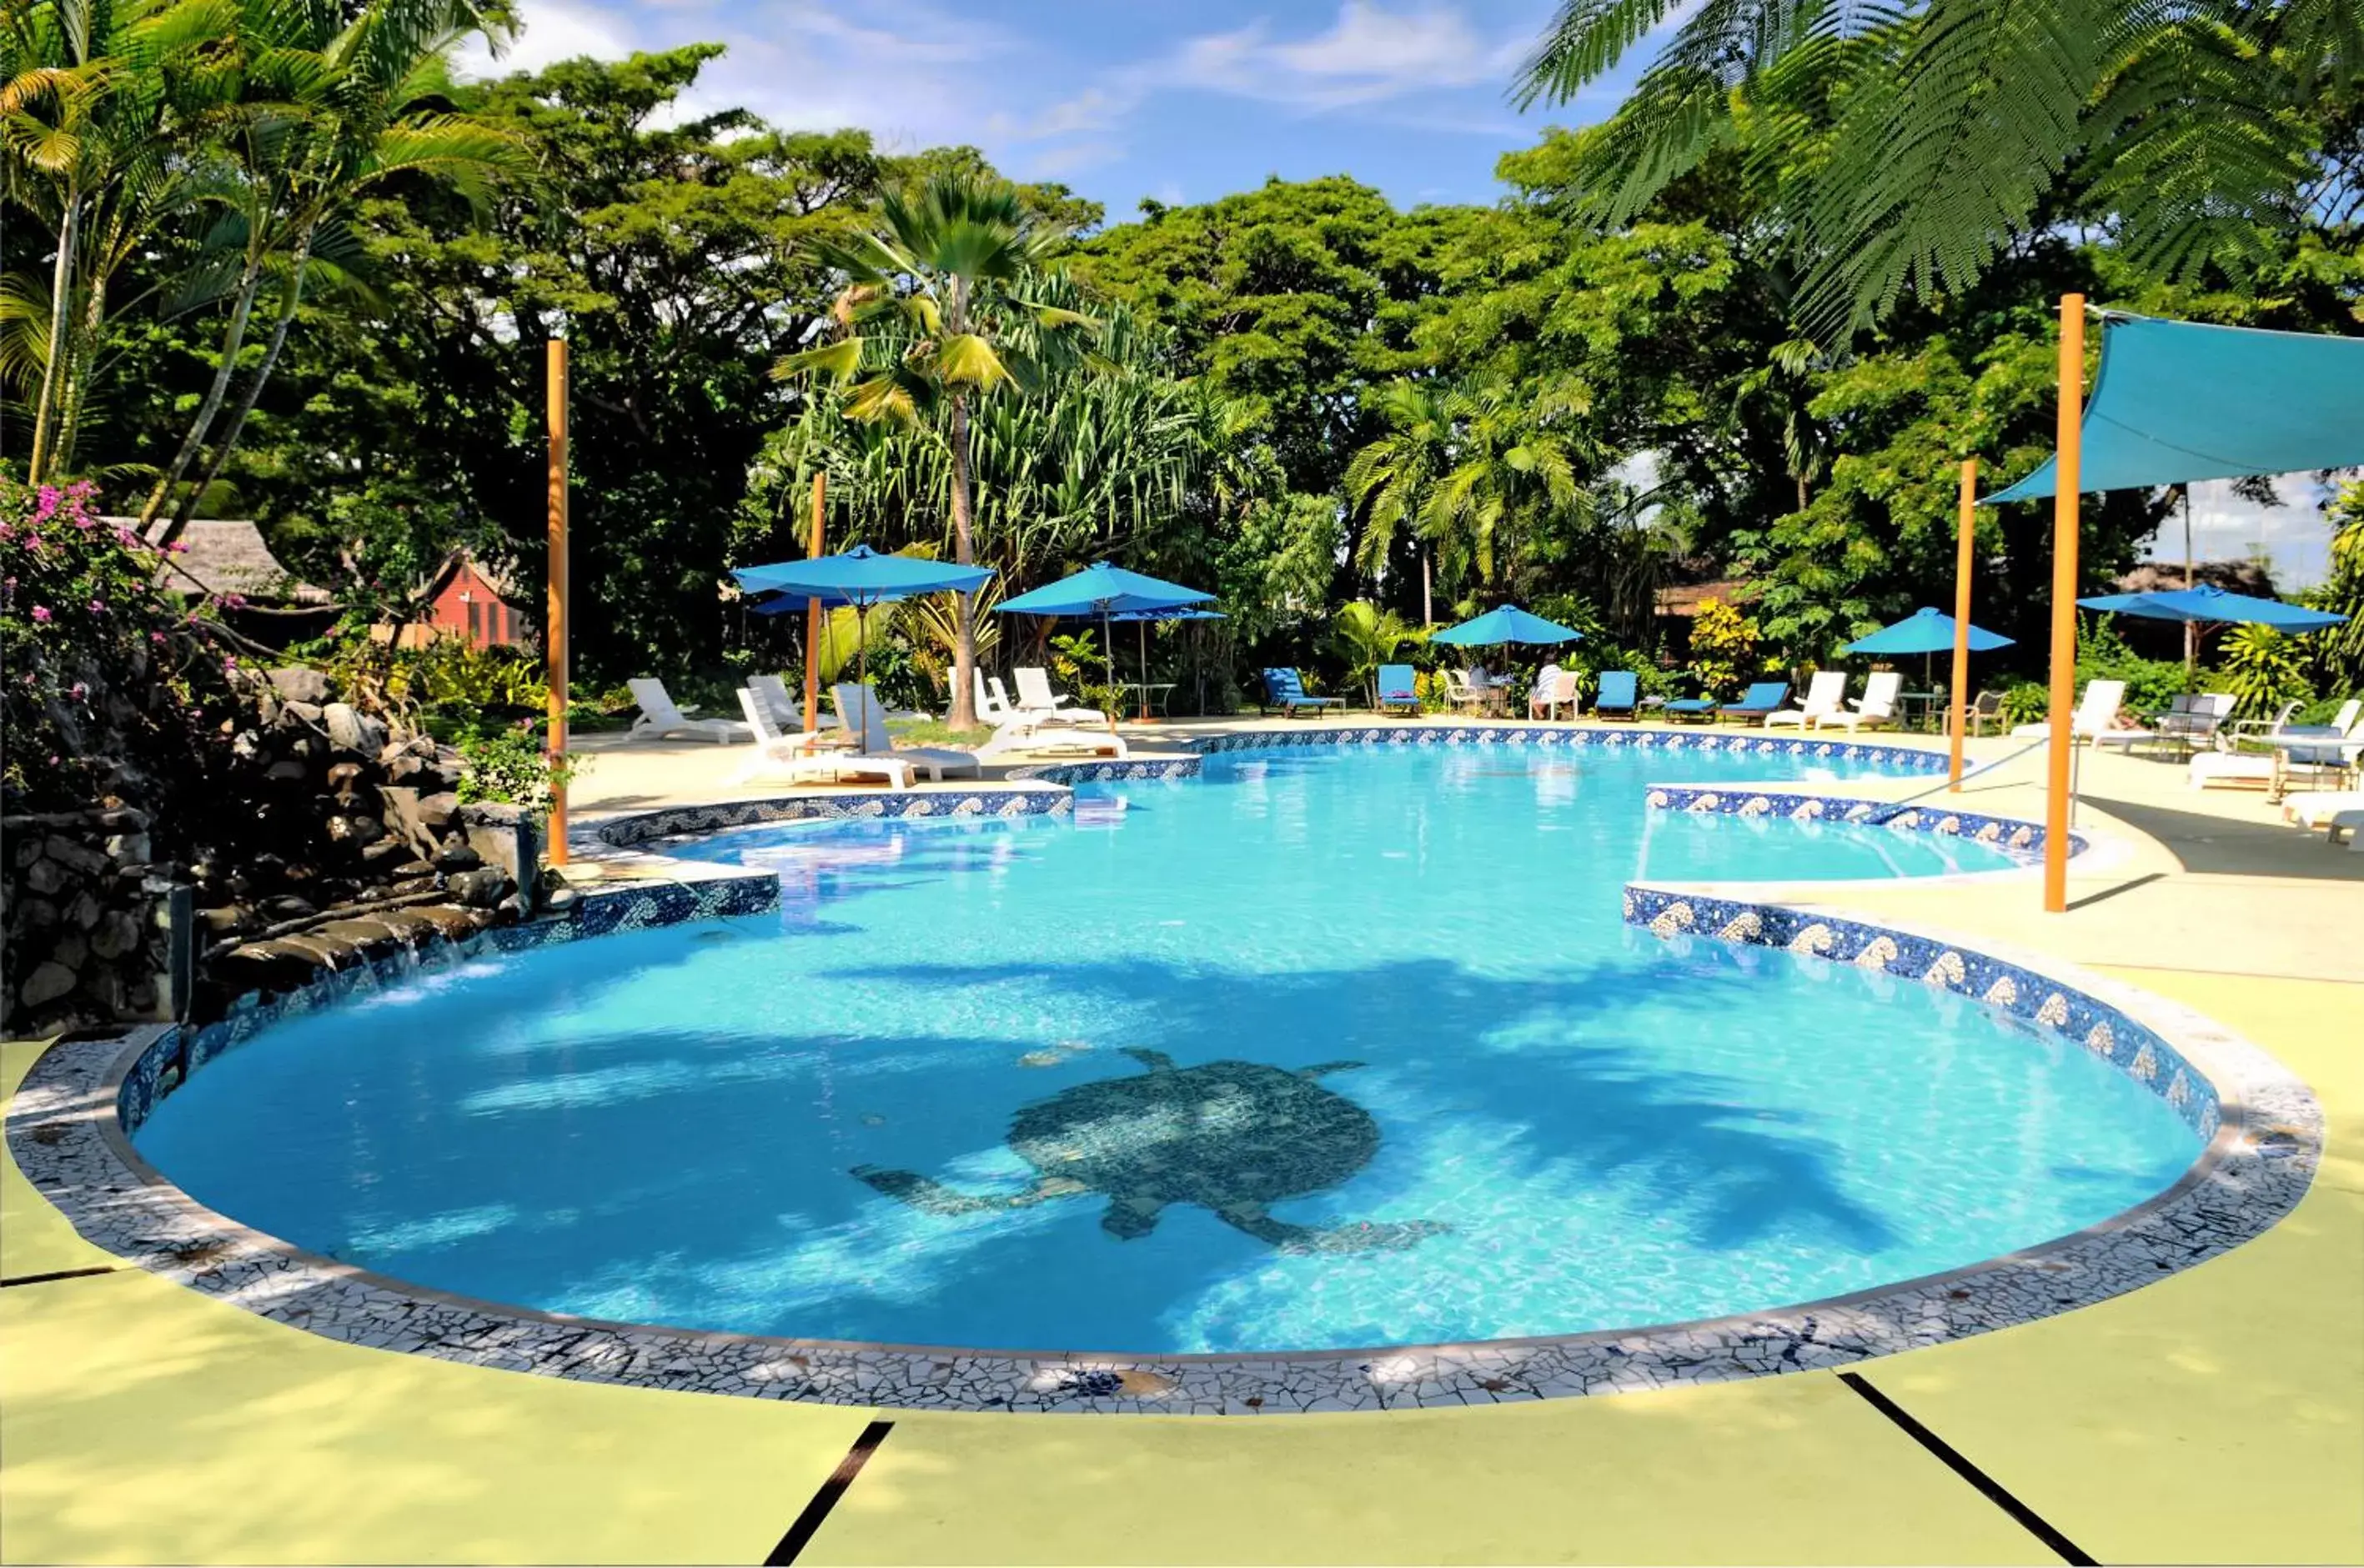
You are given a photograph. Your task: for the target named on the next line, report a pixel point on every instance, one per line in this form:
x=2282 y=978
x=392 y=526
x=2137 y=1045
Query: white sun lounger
x=1877 y=706
x=1825 y=694
x=659 y=718
x=2095 y=718
x=2342 y=742
x=774 y=694
x=1038 y=702
x=858 y=710
x=792 y=756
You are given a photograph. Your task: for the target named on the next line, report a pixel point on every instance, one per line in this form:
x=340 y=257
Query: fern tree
x=1913 y=142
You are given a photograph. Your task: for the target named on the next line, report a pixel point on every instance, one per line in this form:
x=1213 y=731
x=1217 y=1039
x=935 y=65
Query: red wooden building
x=472 y=600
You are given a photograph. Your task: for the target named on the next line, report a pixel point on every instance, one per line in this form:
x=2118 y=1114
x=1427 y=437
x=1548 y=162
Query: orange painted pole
x=2065 y=478
x=554 y=631
x=1965 y=530
x=812 y=615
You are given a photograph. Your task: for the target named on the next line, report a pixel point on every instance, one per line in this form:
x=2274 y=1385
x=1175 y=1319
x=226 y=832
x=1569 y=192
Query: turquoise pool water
x=1327 y=1048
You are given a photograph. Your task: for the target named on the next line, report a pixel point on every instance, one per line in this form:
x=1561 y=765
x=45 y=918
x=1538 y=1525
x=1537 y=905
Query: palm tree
x=946 y=278
x=1393 y=477
x=329 y=103
x=128 y=98
x=1915 y=143
x=1514 y=457
x=1368 y=637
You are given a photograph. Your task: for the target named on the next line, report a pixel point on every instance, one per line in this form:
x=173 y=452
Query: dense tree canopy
x=1624 y=373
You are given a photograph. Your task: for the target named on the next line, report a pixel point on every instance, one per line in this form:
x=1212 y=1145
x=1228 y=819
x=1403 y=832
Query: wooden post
x=555 y=627
x=1965 y=531
x=2065 y=478
x=812 y=614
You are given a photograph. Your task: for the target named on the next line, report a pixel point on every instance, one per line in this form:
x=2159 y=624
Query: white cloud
x=1368 y=54
x=554 y=30
x=2294 y=535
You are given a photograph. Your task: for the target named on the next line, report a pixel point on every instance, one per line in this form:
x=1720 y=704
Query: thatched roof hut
x=227 y=556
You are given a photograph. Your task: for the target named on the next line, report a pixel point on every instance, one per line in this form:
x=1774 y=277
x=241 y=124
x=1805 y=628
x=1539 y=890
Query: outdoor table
x=1141 y=694
x=1921 y=708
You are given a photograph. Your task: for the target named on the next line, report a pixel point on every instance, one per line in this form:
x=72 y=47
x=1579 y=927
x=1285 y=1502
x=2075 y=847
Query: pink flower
x=179 y=547
x=234 y=601
x=84 y=521
x=81 y=691
x=40 y=611
x=96 y=609
x=157 y=637
x=50 y=496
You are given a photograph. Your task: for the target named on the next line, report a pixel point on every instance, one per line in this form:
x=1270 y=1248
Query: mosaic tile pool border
x=2022 y=838
x=67 y=1129
x=644 y=828
x=1910 y=758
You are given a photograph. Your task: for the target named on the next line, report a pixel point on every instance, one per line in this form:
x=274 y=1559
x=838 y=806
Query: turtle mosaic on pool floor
x=1232 y=1137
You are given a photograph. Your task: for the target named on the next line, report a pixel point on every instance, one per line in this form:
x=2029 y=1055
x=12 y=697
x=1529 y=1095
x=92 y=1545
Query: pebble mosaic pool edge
x=69 y=1128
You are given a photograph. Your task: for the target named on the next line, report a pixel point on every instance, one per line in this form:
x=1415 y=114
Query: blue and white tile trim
x=68 y=1131
x=2131 y=1047
x=2022 y=838
x=677 y=821
x=1905 y=758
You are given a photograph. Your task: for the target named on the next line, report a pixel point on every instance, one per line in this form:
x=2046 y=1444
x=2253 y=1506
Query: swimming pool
x=1325 y=1049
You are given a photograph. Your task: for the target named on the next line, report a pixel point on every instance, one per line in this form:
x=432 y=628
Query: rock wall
x=86 y=917
x=335 y=835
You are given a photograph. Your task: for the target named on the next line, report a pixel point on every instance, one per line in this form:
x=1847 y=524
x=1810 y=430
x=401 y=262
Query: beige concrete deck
x=2217 y=1416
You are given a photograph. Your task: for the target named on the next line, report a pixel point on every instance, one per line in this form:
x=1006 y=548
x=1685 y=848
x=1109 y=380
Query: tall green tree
x=951 y=270
x=322 y=106
x=1960 y=128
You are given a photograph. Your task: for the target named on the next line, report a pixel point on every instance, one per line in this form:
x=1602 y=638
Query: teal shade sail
x=2179 y=401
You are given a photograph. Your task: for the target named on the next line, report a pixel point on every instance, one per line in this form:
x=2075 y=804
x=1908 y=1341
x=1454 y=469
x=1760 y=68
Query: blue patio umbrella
x=1508 y=623
x=860 y=578
x=1106 y=592
x=2208 y=605
x=1927 y=631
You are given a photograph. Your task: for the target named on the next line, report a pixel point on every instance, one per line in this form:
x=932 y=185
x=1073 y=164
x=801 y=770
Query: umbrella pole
x=1108 y=646
x=862 y=644
x=1965 y=543
x=1143 y=627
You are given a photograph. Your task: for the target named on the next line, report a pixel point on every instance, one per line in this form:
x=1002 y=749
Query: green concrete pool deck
x=2217 y=1416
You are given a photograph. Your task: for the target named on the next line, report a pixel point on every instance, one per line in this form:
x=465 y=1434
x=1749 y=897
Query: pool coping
x=69 y=1124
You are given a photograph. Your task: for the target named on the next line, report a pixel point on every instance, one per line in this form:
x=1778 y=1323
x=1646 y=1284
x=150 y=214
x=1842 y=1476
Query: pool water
x=1327 y=1048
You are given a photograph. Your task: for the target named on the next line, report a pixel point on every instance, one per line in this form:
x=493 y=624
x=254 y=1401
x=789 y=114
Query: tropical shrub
x=1723 y=648
x=2025 y=702
x=2265 y=669
x=1367 y=636
x=510 y=764
x=111 y=683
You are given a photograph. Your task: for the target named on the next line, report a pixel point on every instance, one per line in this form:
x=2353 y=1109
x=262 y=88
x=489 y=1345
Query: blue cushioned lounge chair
x=1397 y=689
x=1616 y=695
x=1688 y=707
x=1284 y=691
x=1761 y=698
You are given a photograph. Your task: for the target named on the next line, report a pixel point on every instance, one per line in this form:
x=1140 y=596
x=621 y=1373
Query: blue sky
x=1122 y=99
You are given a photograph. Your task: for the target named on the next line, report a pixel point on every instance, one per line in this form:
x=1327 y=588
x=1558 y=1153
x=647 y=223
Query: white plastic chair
x=1826 y=693
x=1037 y=701
x=1877 y=706
x=659 y=718
x=2096 y=713
x=772 y=692
x=859 y=711
x=793 y=756
x=1539 y=695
